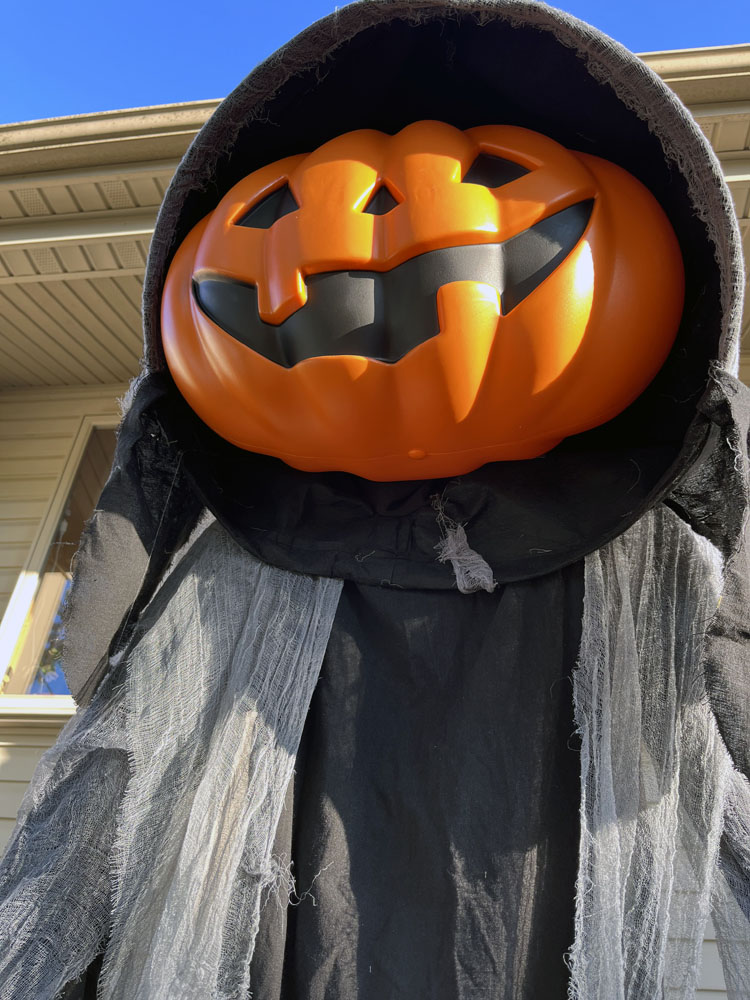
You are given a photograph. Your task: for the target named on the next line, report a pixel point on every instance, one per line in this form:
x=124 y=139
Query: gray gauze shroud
x=656 y=778
x=160 y=801
x=162 y=797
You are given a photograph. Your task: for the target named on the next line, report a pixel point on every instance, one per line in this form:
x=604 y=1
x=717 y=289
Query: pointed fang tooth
x=468 y=314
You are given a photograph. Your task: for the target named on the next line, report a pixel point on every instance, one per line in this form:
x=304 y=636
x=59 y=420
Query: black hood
x=381 y=64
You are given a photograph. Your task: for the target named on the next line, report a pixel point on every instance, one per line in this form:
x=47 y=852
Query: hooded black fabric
x=467 y=63
x=433 y=821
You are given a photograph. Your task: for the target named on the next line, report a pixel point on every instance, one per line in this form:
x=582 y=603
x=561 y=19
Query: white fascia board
x=36 y=707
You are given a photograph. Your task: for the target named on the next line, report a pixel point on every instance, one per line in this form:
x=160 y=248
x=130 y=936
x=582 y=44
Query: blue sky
x=81 y=56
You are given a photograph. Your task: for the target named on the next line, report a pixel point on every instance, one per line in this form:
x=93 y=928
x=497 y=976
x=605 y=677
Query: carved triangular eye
x=273 y=207
x=493 y=171
x=381 y=202
x=531 y=256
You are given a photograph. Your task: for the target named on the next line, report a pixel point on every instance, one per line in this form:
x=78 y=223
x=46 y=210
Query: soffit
x=79 y=197
x=700 y=76
x=78 y=202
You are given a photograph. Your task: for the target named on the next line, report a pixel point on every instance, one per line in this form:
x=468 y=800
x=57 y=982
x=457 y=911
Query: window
x=32 y=626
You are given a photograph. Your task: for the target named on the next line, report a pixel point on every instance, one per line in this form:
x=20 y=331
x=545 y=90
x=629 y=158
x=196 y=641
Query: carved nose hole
x=270 y=209
x=493 y=171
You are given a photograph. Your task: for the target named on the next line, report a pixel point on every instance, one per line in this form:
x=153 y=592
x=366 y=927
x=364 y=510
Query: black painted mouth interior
x=384 y=315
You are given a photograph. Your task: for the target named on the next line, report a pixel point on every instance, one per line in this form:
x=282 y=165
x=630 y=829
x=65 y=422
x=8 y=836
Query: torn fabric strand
x=472 y=571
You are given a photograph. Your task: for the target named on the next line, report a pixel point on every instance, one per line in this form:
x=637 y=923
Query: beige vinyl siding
x=21 y=746
x=38 y=429
x=711 y=983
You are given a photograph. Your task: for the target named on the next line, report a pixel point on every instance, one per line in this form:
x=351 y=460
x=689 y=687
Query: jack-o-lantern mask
x=411 y=306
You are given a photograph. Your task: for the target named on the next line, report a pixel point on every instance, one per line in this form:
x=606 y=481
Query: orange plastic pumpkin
x=411 y=306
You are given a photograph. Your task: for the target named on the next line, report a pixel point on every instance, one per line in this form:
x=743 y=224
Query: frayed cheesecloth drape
x=152 y=857
x=160 y=801
x=152 y=820
x=656 y=778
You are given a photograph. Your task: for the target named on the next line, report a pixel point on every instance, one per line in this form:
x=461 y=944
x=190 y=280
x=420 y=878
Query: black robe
x=433 y=820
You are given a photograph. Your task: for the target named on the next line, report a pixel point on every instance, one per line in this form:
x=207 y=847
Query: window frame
x=41 y=706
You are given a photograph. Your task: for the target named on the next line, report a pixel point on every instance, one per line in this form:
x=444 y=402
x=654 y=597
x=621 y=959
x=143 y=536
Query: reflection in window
x=49 y=677
x=35 y=666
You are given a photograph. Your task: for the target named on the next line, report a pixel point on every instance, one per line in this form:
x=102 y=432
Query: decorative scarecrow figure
x=410 y=631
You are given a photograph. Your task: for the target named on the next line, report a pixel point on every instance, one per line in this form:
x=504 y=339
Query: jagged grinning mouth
x=385 y=314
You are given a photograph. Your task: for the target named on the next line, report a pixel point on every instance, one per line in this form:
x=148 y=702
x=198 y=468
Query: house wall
x=22 y=743
x=41 y=434
x=38 y=431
